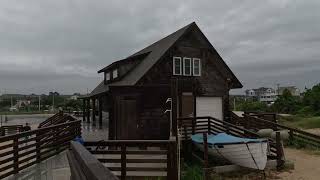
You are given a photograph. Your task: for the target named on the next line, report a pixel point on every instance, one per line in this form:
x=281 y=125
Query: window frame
x=193 y=66
x=113 y=74
x=174 y=65
x=107 y=74
x=184 y=66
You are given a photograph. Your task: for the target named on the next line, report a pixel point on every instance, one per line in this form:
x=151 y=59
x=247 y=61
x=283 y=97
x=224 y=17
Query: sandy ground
x=313 y=131
x=307 y=165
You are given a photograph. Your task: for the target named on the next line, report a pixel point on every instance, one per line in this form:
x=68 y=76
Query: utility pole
x=53 y=101
x=278 y=87
x=39 y=103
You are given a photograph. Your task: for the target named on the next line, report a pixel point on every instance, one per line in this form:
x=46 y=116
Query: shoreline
x=30 y=115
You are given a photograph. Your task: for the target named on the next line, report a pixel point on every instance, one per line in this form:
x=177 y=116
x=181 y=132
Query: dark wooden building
x=135 y=89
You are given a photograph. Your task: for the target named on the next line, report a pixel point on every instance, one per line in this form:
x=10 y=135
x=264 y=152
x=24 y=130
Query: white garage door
x=210 y=106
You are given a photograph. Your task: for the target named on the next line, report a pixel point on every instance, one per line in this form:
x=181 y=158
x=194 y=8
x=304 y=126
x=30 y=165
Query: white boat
x=245 y=152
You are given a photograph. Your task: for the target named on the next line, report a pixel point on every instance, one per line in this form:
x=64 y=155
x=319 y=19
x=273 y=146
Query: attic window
x=177 y=66
x=187 y=66
x=107 y=76
x=196 y=67
x=115 y=73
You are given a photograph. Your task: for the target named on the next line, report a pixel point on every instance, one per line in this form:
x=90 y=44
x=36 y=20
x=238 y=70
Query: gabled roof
x=152 y=55
x=157 y=50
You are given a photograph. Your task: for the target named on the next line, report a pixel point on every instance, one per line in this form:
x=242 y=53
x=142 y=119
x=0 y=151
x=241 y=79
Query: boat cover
x=223 y=138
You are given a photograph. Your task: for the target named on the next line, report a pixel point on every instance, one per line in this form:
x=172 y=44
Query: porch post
x=88 y=110
x=93 y=111
x=100 y=111
x=174 y=94
x=83 y=110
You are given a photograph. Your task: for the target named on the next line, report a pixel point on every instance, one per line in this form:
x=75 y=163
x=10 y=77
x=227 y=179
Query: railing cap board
x=27 y=133
x=128 y=142
x=285 y=127
x=92 y=168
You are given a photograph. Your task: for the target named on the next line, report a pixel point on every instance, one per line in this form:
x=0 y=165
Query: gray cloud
x=46 y=45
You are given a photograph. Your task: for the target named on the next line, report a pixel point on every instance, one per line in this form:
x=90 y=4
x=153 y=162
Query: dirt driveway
x=307 y=165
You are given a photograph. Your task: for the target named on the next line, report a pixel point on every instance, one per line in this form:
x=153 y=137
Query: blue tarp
x=222 y=138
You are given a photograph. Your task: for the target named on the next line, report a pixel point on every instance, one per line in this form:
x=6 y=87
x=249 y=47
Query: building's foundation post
x=100 y=112
x=93 y=111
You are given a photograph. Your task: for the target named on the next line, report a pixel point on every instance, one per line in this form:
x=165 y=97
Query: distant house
x=293 y=90
x=135 y=89
x=263 y=94
x=74 y=97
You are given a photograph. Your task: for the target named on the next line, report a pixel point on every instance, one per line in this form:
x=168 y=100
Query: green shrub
x=306 y=111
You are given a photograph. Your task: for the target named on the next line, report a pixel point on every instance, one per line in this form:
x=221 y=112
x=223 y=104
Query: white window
x=177 y=66
x=187 y=66
x=107 y=76
x=115 y=73
x=196 y=67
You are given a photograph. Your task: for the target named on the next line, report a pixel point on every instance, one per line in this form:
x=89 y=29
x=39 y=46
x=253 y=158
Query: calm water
x=32 y=119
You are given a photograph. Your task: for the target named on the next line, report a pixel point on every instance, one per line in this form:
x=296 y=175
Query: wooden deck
x=57 y=167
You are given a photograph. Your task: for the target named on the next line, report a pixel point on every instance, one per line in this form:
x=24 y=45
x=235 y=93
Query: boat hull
x=251 y=155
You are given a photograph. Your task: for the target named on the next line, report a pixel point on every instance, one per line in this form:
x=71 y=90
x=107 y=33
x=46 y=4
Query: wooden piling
x=280 y=155
x=205 y=156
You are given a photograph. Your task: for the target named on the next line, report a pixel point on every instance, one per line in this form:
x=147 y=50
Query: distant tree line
x=46 y=102
x=308 y=104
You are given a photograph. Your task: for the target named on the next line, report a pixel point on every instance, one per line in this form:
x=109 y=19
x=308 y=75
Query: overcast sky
x=61 y=44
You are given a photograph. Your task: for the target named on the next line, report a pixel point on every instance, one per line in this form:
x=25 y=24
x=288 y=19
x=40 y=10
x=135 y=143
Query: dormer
x=119 y=69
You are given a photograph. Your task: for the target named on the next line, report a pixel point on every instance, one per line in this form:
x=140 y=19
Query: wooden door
x=187 y=105
x=127 y=118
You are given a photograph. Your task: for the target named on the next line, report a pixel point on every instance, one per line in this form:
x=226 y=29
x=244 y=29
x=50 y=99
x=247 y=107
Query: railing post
x=123 y=162
x=205 y=157
x=15 y=155
x=194 y=121
x=279 y=148
x=169 y=159
x=38 y=147
x=209 y=126
x=290 y=135
x=56 y=139
x=186 y=149
x=174 y=160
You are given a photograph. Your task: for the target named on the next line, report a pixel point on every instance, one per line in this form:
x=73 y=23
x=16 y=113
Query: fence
x=137 y=158
x=25 y=149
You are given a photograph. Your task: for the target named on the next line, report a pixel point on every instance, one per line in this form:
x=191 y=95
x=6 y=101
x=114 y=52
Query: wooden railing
x=25 y=149
x=307 y=138
x=84 y=166
x=58 y=118
x=12 y=129
x=137 y=158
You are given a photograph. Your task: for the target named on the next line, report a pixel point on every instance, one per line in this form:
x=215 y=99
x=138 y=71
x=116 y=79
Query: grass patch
x=304 y=122
x=192 y=172
x=302 y=144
